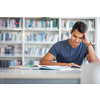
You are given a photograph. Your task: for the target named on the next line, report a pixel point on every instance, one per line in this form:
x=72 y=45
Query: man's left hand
x=85 y=38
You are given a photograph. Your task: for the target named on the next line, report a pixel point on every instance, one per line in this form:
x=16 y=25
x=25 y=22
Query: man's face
x=76 y=37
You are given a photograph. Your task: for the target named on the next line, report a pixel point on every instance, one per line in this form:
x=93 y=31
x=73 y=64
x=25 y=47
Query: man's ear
x=70 y=31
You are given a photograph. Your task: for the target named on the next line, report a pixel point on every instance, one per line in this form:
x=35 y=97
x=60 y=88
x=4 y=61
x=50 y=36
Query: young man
x=71 y=51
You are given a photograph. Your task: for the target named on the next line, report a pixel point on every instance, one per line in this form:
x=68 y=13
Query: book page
x=53 y=67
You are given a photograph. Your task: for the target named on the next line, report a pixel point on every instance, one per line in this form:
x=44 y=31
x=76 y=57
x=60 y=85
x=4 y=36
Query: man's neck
x=71 y=44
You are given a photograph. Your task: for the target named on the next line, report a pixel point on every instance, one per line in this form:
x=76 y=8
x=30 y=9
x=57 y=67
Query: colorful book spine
x=41 y=23
x=35 y=51
x=66 y=24
x=31 y=37
x=10 y=50
x=51 y=24
x=4 y=64
x=17 y=23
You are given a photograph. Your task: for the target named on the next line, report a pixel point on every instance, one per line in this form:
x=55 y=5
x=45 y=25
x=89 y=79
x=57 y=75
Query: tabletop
x=40 y=74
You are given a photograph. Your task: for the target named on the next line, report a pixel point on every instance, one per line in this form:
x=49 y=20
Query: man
x=71 y=51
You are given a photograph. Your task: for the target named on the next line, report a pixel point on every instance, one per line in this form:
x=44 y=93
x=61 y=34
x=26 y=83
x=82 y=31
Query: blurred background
x=25 y=40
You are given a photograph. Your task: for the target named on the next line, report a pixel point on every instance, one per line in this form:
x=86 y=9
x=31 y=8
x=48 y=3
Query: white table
x=17 y=76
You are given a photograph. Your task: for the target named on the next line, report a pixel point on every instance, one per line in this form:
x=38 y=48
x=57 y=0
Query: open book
x=47 y=67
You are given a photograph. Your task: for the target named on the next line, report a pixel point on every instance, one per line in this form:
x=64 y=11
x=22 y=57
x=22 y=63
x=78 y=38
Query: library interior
x=26 y=40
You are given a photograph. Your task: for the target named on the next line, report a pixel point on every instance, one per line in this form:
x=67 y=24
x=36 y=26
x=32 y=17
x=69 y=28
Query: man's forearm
x=47 y=62
x=93 y=56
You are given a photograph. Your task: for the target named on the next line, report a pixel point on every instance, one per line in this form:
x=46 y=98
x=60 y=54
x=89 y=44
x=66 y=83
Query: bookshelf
x=41 y=28
x=11 y=31
x=46 y=31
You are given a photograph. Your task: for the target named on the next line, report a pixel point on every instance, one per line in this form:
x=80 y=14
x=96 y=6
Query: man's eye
x=75 y=36
x=81 y=38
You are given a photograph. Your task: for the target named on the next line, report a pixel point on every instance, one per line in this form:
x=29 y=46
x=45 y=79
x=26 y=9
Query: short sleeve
x=54 y=49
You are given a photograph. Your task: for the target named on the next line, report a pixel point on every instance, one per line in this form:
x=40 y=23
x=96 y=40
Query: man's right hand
x=70 y=64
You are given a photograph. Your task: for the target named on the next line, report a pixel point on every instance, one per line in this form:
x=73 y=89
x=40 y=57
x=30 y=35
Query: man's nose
x=77 y=39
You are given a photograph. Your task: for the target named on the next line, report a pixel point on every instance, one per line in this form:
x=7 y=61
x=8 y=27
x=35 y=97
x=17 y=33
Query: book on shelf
x=90 y=24
x=11 y=37
x=35 y=51
x=11 y=23
x=10 y=50
x=68 y=24
x=48 y=23
x=18 y=50
x=1 y=37
x=65 y=36
x=44 y=37
x=57 y=23
x=3 y=24
x=90 y=37
x=48 y=67
x=52 y=23
x=0 y=50
x=15 y=62
x=65 y=24
x=4 y=64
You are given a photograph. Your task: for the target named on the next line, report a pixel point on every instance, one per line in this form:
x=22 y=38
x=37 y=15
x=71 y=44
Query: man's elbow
x=45 y=62
x=96 y=60
x=42 y=62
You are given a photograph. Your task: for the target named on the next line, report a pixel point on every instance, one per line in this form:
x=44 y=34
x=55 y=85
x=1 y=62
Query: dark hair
x=81 y=26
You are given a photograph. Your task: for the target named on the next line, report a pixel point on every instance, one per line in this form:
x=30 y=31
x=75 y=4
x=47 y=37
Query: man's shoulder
x=83 y=43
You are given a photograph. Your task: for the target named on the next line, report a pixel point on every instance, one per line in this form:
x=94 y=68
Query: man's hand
x=85 y=38
x=70 y=64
